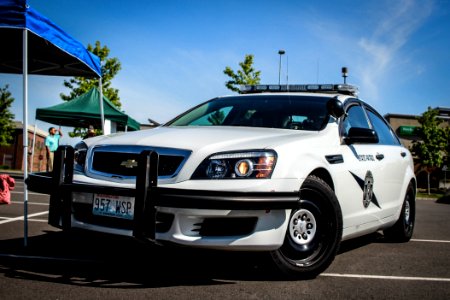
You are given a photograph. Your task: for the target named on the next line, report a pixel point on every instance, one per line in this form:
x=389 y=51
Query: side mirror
x=361 y=135
x=335 y=108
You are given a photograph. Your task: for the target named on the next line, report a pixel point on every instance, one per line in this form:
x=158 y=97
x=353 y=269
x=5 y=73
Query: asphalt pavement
x=58 y=265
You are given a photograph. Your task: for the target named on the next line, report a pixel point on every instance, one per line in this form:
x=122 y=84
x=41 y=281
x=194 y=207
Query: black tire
x=402 y=230
x=314 y=232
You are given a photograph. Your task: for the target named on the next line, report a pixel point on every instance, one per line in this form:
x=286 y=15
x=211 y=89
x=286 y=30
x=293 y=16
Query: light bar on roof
x=346 y=89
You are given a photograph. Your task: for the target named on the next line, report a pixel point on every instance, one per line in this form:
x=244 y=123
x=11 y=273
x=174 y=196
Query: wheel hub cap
x=407 y=212
x=302 y=227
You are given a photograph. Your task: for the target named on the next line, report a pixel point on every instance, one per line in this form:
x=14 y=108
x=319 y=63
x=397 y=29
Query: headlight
x=248 y=164
x=80 y=151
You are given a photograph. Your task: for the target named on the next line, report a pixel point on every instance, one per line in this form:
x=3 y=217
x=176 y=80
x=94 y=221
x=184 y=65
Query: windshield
x=271 y=111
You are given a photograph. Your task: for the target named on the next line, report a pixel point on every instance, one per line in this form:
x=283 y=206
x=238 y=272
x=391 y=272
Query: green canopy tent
x=84 y=111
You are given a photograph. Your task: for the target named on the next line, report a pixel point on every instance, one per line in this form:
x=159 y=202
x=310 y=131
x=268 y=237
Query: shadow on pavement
x=108 y=261
x=444 y=200
x=100 y=260
x=362 y=241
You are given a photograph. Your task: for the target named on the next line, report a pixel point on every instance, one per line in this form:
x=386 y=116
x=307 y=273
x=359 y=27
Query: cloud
x=389 y=35
x=373 y=42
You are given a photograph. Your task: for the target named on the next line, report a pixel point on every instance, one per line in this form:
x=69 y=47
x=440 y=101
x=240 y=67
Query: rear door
x=393 y=160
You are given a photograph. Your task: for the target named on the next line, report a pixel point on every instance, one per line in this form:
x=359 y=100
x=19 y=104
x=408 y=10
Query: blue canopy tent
x=32 y=44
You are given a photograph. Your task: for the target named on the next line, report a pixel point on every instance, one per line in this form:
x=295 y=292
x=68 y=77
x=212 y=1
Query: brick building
x=11 y=157
x=404 y=126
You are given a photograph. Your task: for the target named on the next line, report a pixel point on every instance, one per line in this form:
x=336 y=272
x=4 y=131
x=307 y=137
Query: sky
x=173 y=52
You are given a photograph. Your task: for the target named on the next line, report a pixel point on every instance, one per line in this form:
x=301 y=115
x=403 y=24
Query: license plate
x=113 y=206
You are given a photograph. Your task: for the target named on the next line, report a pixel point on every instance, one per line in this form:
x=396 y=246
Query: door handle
x=379 y=156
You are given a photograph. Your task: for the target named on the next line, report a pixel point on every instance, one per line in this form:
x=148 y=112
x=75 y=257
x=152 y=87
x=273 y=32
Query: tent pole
x=32 y=147
x=25 y=135
x=102 y=114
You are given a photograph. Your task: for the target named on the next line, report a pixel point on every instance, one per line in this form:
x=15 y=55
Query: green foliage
x=6 y=117
x=247 y=74
x=447 y=136
x=430 y=149
x=80 y=85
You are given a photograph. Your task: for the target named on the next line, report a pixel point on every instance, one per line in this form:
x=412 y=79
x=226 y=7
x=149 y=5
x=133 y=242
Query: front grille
x=122 y=161
x=125 y=164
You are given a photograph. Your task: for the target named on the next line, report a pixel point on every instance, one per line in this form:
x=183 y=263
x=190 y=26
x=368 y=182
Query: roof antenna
x=345 y=74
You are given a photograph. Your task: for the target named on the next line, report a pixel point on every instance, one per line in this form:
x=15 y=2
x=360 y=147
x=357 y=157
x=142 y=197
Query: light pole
x=281 y=52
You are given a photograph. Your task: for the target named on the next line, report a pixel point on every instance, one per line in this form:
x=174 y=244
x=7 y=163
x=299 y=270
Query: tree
x=247 y=74
x=6 y=117
x=447 y=149
x=430 y=149
x=80 y=85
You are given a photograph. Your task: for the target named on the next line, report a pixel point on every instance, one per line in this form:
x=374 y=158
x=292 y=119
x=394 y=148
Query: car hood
x=195 y=138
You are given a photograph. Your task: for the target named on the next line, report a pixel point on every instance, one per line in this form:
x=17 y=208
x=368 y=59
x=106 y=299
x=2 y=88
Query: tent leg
x=33 y=146
x=25 y=136
x=102 y=114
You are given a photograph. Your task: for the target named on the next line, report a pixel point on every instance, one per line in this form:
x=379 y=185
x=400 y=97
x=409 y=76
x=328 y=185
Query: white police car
x=290 y=169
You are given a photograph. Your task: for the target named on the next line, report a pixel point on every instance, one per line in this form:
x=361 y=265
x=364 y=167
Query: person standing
x=51 y=144
x=90 y=132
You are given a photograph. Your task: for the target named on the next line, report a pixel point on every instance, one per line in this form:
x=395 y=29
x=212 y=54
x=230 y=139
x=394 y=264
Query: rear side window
x=385 y=134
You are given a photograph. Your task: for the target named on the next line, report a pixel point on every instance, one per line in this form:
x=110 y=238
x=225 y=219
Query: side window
x=356 y=117
x=385 y=134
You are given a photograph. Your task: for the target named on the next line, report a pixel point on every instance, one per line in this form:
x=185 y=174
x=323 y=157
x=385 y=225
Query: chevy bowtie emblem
x=129 y=164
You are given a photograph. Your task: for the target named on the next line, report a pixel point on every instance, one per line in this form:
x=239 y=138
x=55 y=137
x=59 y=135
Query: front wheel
x=314 y=232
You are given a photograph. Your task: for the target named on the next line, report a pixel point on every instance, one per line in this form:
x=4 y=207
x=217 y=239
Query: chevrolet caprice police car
x=289 y=169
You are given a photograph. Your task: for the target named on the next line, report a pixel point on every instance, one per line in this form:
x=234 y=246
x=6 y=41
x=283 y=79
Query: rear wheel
x=314 y=232
x=403 y=229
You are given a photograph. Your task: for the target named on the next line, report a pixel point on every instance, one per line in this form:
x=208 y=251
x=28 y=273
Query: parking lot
x=55 y=265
